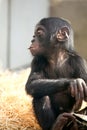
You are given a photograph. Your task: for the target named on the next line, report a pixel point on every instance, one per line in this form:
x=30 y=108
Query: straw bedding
x=16 y=111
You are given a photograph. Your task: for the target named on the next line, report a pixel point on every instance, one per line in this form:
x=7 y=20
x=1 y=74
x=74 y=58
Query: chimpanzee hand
x=63 y=119
x=78 y=89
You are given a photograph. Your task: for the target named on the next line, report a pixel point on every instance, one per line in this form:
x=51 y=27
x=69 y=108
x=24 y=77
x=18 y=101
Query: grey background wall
x=76 y=12
x=17 y=21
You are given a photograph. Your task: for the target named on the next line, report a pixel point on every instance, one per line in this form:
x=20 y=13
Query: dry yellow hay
x=16 y=111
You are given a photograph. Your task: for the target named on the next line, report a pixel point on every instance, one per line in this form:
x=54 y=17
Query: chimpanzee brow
x=40 y=29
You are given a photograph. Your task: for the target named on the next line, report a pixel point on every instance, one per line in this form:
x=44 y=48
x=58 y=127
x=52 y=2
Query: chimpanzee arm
x=79 y=66
x=38 y=87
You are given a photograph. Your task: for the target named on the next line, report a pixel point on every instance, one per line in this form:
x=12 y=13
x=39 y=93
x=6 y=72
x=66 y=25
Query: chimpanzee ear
x=63 y=34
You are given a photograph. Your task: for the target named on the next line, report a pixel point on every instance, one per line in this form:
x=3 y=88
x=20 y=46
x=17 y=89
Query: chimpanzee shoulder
x=78 y=64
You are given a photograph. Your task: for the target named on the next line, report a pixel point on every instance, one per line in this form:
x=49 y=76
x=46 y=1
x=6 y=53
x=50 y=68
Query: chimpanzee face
x=49 y=34
x=38 y=42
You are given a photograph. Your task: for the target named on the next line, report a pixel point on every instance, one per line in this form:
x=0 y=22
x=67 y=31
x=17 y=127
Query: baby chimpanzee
x=58 y=75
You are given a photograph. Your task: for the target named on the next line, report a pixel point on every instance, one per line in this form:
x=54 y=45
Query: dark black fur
x=50 y=78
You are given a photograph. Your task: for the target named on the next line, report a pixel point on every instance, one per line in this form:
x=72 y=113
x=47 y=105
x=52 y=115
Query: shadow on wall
x=76 y=13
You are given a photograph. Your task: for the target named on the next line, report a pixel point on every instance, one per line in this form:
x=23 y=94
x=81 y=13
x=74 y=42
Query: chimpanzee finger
x=76 y=93
x=72 y=91
x=71 y=119
x=80 y=89
x=69 y=116
x=77 y=97
x=77 y=105
x=60 y=122
x=85 y=90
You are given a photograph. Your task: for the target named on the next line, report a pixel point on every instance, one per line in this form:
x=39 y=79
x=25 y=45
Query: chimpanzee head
x=51 y=34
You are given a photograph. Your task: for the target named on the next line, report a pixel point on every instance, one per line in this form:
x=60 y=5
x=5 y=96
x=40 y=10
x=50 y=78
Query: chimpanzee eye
x=40 y=32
